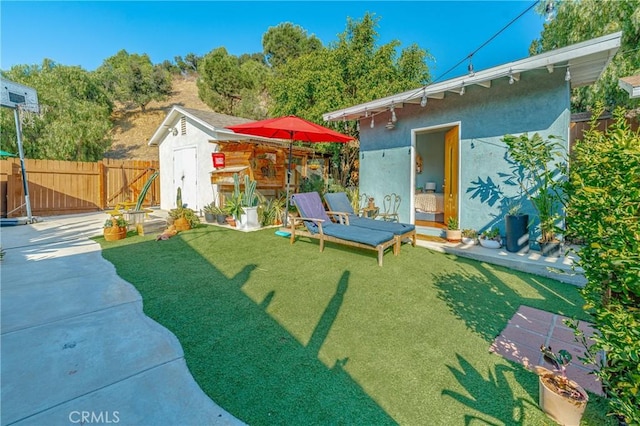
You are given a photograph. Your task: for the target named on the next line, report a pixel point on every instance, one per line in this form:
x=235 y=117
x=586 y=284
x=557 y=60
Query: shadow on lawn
x=486 y=303
x=492 y=396
x=241 y=357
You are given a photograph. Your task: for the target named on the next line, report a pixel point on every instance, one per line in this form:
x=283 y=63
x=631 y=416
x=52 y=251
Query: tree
x=577 y=21
x=352 y=70
x=133 y=80
x=228 y=85
x=75 y=122
x=286 y=42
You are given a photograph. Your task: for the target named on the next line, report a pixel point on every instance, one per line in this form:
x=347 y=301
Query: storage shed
x=188 y=138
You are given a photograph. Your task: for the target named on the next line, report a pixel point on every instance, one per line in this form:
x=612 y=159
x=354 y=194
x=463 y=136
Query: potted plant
x=115 y=228
x=454 y=234
x=210 y=212
x=234 y=208
x=248 y=218
x=490 y=238
x=560 y=398
x=469 y=236
x=183 y=217
x=516 y=229
x=543 y=166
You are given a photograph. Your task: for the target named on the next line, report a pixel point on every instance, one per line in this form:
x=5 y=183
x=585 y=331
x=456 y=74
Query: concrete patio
x=76 y=346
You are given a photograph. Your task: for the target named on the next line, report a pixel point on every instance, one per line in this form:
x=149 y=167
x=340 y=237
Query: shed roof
x=215 y=122
x=585 y=61
x=209 y=119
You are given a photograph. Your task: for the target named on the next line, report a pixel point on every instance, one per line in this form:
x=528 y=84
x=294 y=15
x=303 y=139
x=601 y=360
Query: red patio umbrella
x=292 y=128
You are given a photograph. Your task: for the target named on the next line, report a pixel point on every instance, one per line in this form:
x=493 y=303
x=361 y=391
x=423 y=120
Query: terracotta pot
x=182 y=224
x=115 y=233
x=231 y=221
x=561 y=408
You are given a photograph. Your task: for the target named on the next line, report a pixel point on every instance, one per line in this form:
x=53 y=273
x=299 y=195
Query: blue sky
x=85 y=33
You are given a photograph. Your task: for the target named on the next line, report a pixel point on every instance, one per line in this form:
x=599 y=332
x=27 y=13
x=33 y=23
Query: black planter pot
x=221 y=219
x=517 y=228
x=209 y=217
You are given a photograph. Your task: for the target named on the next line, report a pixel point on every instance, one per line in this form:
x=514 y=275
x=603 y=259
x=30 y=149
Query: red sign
x=218 y=160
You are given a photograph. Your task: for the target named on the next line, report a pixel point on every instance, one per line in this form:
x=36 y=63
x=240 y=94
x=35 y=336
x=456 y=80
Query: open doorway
x=436 y=175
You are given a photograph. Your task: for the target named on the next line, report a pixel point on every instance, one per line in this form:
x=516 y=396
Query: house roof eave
x=586 y=62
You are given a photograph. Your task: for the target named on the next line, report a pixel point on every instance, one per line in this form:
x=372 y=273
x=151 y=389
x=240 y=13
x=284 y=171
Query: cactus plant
x=250 y=197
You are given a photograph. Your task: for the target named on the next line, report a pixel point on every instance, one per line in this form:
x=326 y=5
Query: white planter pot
x=249 y=219
x=454 y=235
x=490 y=243
x=562 y=409
x=468 y=240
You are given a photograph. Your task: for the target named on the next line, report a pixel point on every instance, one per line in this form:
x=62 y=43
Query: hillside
x=133 y=128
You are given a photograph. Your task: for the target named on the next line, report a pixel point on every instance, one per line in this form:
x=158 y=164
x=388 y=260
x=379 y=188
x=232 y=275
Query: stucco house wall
x=538 y=102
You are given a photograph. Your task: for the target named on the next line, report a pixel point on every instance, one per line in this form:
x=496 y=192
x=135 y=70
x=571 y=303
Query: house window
x=183 y=125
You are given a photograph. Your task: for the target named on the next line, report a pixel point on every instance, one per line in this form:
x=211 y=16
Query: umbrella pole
x=286 y=211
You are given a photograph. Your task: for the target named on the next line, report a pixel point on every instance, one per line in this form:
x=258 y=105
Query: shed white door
x=185 y=175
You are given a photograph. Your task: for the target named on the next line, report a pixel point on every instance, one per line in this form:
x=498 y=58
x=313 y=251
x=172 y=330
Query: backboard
x=13 y=95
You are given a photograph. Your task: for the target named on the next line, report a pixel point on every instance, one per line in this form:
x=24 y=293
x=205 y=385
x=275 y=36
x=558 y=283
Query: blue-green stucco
x=539 y=102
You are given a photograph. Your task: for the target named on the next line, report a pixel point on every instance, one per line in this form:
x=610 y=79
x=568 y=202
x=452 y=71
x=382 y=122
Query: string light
x=470 y=69
x=462 y=90
x=393 y=114
x=372 y=125
x=511 y=79
x=567 y=76
x=423 y=101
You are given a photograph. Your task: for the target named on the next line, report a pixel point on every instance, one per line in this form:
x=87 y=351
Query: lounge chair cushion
x=338 y=202
x=310 y=205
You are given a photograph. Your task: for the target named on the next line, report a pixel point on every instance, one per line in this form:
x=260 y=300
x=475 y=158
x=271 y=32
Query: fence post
x=101 y=182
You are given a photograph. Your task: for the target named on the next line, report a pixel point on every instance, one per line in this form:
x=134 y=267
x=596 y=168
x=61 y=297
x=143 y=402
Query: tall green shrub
x=604 y=212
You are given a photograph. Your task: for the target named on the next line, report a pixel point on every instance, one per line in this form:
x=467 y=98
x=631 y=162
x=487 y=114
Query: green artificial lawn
x=283 y=334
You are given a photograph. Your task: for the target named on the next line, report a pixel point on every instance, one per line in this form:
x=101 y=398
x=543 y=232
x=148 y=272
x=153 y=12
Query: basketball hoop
x=29 y=113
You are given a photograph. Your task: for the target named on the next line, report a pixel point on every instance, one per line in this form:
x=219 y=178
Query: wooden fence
x=66 y=187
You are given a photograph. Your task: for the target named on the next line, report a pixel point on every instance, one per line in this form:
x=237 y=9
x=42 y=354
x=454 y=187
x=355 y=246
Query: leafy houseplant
x=210 y=212
x=115 y=228
x=469 y=236
x=543 y=166
x=490 y=238
x=454 y=234
x=248 y=199
x=560 y=398
x=234 y=206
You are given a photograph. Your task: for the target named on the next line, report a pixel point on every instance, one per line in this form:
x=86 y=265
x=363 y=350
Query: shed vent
x=183 y=125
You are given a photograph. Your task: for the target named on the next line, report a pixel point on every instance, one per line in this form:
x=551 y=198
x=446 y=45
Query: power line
x=486 y=42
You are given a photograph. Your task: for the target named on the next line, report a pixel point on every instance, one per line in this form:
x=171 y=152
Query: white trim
x=587 y=60
x=634 y=91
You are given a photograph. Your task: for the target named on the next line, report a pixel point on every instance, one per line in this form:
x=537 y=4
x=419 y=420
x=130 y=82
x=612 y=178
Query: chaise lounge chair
x=338 y=202
x=318 y=225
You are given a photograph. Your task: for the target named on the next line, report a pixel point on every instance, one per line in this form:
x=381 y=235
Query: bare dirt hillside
x=133 y=128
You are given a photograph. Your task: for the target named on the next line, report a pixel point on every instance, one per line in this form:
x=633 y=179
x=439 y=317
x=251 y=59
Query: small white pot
x=490 y=243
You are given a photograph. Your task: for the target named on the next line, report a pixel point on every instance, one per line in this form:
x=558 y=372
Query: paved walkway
x=76 y=347
x=529 y=327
